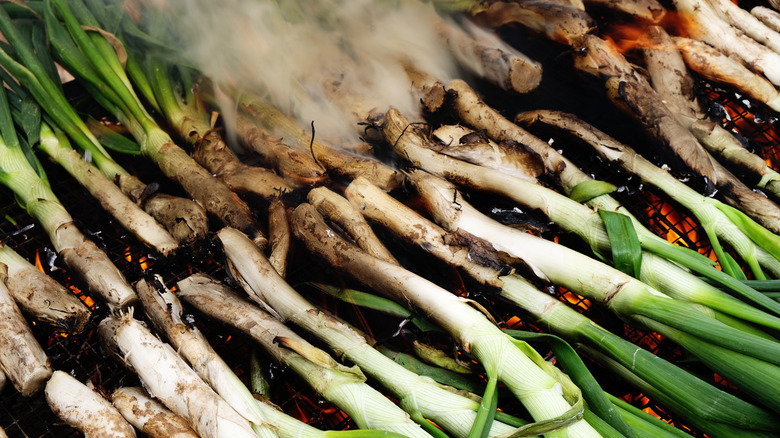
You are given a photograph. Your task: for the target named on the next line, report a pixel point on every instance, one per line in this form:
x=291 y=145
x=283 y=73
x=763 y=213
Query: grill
x=83 y=357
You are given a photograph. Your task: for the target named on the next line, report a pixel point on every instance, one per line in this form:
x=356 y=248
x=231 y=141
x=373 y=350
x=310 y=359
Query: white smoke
x=298 y=53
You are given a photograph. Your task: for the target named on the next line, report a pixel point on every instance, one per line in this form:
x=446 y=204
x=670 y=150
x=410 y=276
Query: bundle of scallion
x=55 y=144
x=685 y=394
x=169 y=379
x=533 y=382
x=425 y=401
x=757 y=246
x=736 y=351
x=412 y=144
x=407 y=224
x=343 y=386
x=166 y=312
x=187 y=115
x=93 y=60
x=574 y=181
x=22 y=173
x=37 y=77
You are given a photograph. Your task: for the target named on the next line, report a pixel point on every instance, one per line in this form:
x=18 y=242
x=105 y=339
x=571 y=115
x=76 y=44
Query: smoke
x=327 y=61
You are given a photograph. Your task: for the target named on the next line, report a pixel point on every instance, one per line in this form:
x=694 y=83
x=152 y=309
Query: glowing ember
x=578 y=301
x=513 y=321
x=86 y=299
x=761 y=131
x=142 y=260
x=676 y=226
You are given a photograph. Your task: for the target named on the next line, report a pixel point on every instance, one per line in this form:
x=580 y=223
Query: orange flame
x=38 y=263
x=627 y=37
x=679 y=24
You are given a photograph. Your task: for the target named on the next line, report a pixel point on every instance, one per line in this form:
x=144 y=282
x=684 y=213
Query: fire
x=675 y=226
x=86 y=299
x=575 y=300
x=38 y=263
x=513 y=321
x=628 y=37
x=650 y=410
x=761 y=131
x=722 y=381
x=679 y=24
x=646 y=405
x=143 y=261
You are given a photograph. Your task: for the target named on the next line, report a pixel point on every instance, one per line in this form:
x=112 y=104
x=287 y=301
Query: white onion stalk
x=168 y=378
x=572 y=216
x=111 y=198
x=340 y=211
x=719 y=67
x=683 y=398
x=148 y=415
x=624 y=295
x=671 y=80
x=480 y=116
x=344 y=387
x=84 y=409
x=40 y=296
x=540 y=392
x=707 y=25
x=165 y=312
x=81 y=255
x=457 y=250
x=748 y=23
x=419 y=396
x=22 y=358
x=769 y=17
x=708 y=211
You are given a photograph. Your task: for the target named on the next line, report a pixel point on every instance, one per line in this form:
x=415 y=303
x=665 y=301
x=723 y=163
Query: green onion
x=344 y=386
x=30 y=69
x=374 y=302
x=96 y=63
x=22 y=173
x=691 y=397
x=410 y=143
x=624 y=295
x=473 y=111
x=522 y=374
x=626 y=249
x=423 y=399
x=587 y=190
